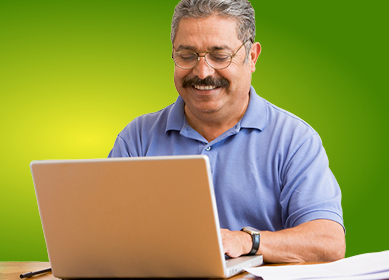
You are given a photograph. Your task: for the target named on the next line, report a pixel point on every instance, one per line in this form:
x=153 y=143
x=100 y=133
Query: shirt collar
x=176 y=117
x=256 y=115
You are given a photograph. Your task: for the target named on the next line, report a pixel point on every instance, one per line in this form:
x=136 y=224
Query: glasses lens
x=218 y=60
x=185 y=59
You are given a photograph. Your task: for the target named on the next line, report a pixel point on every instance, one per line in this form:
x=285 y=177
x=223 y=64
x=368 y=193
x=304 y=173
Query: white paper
x=374 y=276
x=358 y=265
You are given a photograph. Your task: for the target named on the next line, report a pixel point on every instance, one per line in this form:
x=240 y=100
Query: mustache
x=208 y=81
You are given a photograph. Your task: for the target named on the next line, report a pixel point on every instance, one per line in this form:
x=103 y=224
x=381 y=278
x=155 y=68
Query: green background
x=74 y=73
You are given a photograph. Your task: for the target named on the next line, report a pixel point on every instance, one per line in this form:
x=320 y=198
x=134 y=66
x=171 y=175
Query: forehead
x=212 y=31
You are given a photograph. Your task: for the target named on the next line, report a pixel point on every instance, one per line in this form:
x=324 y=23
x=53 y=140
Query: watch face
x=252 y=230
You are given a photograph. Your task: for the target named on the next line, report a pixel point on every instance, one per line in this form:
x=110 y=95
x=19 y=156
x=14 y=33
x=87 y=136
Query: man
x=269 y=168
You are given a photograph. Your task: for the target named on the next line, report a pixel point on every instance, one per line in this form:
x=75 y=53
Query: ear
x=255 y=52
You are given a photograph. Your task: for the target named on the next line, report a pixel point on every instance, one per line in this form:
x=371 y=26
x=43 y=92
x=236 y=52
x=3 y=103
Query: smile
x=204 y=87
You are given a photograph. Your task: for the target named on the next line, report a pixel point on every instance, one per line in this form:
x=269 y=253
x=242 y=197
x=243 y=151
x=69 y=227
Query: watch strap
x=255 y=236
x=256 y=241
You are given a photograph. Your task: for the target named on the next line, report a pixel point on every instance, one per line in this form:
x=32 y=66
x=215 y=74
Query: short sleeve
x=120 y=148
x=310 y=190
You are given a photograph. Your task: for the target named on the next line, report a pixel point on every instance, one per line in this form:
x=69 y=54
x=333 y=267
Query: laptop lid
x=130 y=217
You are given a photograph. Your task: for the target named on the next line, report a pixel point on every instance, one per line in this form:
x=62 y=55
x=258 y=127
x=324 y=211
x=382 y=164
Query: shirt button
x=208 y=148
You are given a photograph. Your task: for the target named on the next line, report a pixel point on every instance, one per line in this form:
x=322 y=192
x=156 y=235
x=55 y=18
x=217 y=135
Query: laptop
x=132 y=218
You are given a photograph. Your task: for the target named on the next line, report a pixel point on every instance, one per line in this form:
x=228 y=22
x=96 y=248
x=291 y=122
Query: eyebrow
x=214 y=48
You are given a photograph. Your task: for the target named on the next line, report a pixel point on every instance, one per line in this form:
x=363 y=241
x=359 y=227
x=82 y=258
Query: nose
x=202 y=69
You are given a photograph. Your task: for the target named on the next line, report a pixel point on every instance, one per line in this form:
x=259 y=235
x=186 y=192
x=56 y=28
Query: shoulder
x=148 y=123
x=281 y=133
x=272 y=120
x=141 y=132
x=290 y=123
x=276 y=124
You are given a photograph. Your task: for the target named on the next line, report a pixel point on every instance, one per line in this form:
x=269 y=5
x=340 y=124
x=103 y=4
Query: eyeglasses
x=216 y=59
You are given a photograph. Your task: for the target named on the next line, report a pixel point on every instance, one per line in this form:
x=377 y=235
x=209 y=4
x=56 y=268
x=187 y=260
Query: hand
x=236 y=243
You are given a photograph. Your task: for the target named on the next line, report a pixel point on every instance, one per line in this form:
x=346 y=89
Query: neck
x=212 y=125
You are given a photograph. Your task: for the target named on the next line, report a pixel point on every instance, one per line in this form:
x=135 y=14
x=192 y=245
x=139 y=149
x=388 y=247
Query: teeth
x=204 y=87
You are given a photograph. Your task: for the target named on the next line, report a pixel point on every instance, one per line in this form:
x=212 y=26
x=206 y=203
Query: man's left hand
x=236 y=243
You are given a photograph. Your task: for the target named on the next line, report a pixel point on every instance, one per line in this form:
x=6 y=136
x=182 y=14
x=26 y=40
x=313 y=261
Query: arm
x=313 y=241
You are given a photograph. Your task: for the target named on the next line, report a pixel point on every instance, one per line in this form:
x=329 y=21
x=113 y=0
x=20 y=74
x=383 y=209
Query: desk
x=12 y=271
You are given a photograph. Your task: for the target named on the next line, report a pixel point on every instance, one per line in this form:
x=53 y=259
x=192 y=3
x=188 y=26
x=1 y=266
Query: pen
x=30 y=274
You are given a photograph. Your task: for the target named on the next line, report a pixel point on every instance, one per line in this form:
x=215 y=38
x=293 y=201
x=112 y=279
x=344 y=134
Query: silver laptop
x=132 y=217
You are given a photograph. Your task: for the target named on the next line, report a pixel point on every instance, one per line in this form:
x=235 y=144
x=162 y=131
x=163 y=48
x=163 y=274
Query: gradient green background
x=74 y=73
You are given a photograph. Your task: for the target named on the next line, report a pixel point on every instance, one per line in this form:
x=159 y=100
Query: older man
x=275 y=193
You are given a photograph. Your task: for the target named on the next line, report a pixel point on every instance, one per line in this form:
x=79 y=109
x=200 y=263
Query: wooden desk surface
x=12 y=271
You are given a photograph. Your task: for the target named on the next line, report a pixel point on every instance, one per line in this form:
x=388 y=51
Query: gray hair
x=241 y=10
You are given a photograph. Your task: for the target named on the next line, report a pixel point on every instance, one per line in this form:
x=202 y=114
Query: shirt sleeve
x=120 y=148
x=310 y=190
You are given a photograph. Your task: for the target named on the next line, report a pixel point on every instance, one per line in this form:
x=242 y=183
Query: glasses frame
x=205 y=53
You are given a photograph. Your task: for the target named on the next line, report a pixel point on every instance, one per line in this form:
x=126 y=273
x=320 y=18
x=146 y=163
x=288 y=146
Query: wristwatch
x=255 y=235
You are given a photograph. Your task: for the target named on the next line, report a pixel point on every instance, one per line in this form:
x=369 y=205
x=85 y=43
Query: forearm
x=314 y=241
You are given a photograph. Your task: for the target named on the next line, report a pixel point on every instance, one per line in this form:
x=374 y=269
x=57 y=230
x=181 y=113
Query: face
x=220 y=101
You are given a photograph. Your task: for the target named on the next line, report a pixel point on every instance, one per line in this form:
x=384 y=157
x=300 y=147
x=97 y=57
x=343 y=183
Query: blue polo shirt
x=270 y=171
